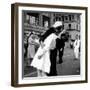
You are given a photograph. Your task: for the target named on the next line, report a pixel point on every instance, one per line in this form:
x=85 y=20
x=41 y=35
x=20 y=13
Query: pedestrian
x=31 y=48
x=76 y=47
x=60 y=43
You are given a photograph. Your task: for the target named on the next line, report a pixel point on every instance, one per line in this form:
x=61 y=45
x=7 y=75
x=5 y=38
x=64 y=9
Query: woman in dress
x=31 y=48
x=41 y=59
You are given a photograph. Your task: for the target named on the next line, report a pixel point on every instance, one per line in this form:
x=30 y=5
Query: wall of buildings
x=45 y=20
x=39 y=22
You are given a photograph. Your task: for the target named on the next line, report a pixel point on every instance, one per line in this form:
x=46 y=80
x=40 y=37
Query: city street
x=70 y=66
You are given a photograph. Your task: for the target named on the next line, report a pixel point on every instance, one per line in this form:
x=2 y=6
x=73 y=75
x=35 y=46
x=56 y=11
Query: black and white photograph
x=50 y=44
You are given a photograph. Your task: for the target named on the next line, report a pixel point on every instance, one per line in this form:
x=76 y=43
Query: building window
x=32 y=20
x=72 y=17
x=37 y=21
x=69 y=17
x=59 y=18
x=69 y=26
x=66 y=18
x=26 y=19
x=62 y=18
x=56 y=18
x=46 y=21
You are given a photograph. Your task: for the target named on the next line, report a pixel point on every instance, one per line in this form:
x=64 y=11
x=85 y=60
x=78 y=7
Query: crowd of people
x=43 y=51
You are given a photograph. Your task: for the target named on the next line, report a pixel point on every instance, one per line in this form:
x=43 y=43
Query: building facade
x=38 y=22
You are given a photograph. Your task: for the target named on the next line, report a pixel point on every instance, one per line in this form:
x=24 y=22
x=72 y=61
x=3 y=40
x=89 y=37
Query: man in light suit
x=76 y=47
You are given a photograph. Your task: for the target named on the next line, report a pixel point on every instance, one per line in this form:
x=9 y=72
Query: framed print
x=48 y=44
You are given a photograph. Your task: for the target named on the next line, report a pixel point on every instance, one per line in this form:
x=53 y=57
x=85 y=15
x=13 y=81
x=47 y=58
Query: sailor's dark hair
x=47 y=33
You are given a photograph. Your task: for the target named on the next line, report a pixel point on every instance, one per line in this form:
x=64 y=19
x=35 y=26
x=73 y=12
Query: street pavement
x=70 y=66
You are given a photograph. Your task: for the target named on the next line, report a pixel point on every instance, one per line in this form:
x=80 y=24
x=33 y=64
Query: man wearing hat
x=57 y=28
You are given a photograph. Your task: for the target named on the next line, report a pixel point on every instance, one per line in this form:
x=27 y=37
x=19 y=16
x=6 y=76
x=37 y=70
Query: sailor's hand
x=59 y=36
x=42 y=45
x=61 y=49
x=40 y=56
x=63 y=31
